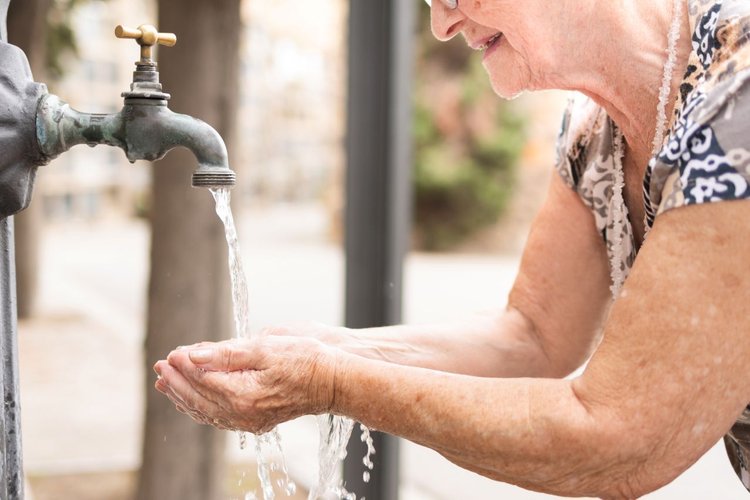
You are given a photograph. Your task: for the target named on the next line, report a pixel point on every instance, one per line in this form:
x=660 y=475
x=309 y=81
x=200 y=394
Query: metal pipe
x=4 y=4
x=10 y=416
x=11 y=457
x=378 y=195
x=145 y=129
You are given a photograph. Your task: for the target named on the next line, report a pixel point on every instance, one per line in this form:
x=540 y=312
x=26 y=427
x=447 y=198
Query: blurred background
x=84 y=248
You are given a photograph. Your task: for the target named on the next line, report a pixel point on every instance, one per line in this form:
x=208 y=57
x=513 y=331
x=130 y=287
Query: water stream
x=269 y=444
x=334 y=430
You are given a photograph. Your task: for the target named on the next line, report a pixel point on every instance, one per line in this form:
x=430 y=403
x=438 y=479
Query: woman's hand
x=250 y=385
x=333 y=336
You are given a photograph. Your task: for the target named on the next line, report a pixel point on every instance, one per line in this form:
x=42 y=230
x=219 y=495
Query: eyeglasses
x=449 y=4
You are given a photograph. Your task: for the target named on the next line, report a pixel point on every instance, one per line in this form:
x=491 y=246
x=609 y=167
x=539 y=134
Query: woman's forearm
x=534 y=433
x=488 y=345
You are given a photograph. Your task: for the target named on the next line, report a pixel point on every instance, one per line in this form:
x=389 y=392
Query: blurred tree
x=467 y=143
x=189 y=296
x=27 y=29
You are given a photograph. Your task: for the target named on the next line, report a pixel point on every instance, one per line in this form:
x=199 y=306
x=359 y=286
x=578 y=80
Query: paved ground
x=80 y=360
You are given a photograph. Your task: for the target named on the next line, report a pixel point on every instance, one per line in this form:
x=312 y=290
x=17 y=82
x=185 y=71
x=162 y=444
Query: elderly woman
x=637 y=260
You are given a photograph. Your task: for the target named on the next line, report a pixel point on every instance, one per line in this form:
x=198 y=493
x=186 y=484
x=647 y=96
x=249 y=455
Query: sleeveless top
x=705 y=157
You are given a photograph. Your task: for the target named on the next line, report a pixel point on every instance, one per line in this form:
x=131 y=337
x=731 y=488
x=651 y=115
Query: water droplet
x=366 y=476
x=291 y=488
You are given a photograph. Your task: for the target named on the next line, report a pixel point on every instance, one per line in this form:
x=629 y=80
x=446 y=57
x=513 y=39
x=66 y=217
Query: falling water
x=236 y=271
x=268 y=444
x=334 y=434
x=334 y=431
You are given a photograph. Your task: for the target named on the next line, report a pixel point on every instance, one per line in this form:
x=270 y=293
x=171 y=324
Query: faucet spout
x=145 y=129
x=207 y=146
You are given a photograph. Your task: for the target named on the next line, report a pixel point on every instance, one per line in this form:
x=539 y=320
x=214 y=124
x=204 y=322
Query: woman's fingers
x=213 y=385
x=179 y=403
x=222 y=357
x=182 y=391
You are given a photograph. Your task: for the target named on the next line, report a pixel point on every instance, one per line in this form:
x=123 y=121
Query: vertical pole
x=3 y=20
x=378 y=195
x=11 y=462
x=10 y=416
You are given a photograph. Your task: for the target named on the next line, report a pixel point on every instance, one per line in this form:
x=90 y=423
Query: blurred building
x=289 y=143
x=93 y=182
x=292 y=98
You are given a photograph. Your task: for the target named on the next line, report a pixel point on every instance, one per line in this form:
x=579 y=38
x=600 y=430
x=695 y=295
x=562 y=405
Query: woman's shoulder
x=707 y=156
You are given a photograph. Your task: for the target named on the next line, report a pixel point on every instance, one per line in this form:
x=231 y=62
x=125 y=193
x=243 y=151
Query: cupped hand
x=250 y=385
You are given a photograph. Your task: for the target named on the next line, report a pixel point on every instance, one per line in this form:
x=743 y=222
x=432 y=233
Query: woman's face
x=514 y=37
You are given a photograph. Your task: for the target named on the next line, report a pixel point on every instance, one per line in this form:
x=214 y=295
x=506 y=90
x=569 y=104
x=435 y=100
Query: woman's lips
x=484 y=43
x=492 y=45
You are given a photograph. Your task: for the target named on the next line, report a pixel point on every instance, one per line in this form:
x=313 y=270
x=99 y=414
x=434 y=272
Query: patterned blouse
x=705 y=157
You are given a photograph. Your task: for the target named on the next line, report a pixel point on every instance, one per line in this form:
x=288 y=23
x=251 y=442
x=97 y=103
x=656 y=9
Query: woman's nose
x=446 y=23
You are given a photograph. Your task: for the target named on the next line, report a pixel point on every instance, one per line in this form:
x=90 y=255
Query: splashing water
x=367 y=460
x=334 y=431
x=270 y=443
x=334 y=435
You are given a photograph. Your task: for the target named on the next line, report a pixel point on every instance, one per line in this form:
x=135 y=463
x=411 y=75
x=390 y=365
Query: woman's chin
x=506 y=92
x=507 y=82
x=506 y=87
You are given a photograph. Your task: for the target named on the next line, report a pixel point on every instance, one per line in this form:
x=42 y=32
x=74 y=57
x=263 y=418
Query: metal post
x=3 y=20
x=11 y=459
x=10 y=416
x=378 y=195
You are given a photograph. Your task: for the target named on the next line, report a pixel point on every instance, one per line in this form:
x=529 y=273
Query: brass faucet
x=145 y=128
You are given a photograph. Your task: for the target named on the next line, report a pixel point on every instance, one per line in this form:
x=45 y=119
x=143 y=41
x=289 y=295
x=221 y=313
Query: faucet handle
x=147 y=36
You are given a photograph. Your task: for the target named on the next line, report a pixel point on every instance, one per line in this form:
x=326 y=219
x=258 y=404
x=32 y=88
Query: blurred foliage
x=467 y=144
x=61 y=38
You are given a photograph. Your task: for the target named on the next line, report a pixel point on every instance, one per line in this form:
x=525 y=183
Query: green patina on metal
x=145 y=129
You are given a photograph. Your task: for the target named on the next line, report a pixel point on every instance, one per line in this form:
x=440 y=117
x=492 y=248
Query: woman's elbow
x=636 y=484
x=630 y=458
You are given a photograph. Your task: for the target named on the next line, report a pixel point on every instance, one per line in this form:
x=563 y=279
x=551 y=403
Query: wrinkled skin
x=249 y=385
x=668 y=360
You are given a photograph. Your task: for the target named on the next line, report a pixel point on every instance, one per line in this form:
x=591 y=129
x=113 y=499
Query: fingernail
x=160 y=386
x=201 y=355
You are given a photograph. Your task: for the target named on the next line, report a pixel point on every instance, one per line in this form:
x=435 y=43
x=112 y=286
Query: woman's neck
x=625 y=76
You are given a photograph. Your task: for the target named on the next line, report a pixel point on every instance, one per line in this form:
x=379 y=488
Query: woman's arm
x=667 y=381
x=549 y=327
